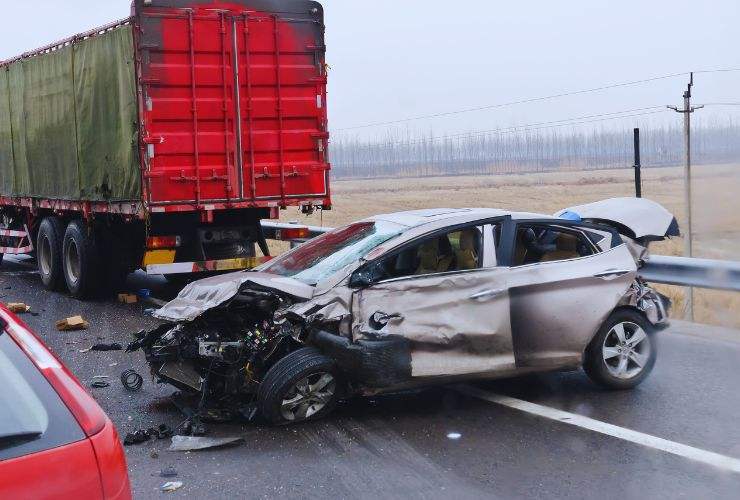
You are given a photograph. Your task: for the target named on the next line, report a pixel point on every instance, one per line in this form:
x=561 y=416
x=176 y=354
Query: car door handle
x=487 y=294
x=612 y=273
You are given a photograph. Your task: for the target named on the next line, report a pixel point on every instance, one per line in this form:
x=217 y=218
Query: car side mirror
x=361 y=278
x=366 y=275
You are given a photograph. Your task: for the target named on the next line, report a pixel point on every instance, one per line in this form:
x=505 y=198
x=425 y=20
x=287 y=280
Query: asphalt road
x=400 y=445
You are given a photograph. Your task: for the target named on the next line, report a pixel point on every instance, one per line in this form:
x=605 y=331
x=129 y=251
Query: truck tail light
x=298 y=233
x=160 y=242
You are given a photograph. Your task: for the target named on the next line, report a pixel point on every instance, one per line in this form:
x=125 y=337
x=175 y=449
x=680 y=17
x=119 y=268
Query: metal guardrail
x=681 y=271
x=699 y=273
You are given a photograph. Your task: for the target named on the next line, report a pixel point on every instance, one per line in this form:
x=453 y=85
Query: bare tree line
x=529 y=151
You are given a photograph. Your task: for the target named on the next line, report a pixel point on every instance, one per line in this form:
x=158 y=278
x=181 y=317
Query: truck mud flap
x=375 y=363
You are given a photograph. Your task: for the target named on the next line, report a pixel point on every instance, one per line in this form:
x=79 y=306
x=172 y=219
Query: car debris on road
x=131 y=380
x=18 y=307
x=172 y=486
x=107 y=347
x=416 y=298
x=127 y=298
x=73 y=323
x=145 y=435
x=195 y=443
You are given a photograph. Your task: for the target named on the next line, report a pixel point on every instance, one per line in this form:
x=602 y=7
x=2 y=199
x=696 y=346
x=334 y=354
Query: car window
x=546 y=243
x=458 y=250
x=32 y=416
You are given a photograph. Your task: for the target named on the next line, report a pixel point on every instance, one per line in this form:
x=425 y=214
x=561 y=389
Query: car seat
x=468 y=254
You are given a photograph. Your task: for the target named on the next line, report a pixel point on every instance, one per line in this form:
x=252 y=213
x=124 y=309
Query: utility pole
x=638 y=165
x=688 y=235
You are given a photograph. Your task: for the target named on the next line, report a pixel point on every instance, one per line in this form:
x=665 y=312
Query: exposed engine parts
x=224 y=353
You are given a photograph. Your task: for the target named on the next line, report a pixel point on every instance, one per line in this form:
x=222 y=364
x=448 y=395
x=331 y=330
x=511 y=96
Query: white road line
x=682 y=450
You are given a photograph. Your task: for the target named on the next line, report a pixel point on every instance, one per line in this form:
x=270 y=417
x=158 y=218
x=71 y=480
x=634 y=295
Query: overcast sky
x=393 y=59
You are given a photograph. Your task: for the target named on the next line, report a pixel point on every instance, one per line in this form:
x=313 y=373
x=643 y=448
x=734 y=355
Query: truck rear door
x=233 y=102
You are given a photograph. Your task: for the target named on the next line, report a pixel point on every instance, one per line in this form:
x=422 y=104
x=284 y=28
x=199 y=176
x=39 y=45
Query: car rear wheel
x=49 y=253
x=623 y=352
x=80 y=260
x=304 y=385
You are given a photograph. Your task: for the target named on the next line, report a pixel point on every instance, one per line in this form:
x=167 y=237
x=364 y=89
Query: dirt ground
x=716 y=213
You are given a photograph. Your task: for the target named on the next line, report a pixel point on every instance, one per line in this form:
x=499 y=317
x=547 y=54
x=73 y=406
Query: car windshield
x=321 y=257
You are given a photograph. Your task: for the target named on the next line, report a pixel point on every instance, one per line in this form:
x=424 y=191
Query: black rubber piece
x=52 y=229
x=89 y=281
x=287 y=372
x=594 y=364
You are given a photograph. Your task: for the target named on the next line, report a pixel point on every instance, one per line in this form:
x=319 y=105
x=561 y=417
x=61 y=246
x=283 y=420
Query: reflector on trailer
x=298 y=233
x=158 y=242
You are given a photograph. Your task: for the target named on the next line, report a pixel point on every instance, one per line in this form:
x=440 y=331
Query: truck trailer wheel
x=49 y=252
x=81 y=261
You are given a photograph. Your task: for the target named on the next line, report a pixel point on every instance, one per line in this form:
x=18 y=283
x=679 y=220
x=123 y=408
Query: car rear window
x=32 y=416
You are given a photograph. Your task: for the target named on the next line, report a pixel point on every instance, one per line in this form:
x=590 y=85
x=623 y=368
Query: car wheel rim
x=308 y=396
x=626 y=350
x=45 y=256
x=72 y=262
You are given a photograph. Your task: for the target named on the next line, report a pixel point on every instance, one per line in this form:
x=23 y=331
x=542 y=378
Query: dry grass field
x=716 y=209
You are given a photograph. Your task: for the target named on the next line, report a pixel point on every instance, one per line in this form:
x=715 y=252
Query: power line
x=531 y=126
x=534 y=99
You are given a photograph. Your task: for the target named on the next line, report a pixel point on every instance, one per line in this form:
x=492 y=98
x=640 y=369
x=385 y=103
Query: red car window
x=32 y=416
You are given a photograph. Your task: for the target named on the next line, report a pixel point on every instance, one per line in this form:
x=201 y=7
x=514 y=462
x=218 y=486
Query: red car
x=55 y=441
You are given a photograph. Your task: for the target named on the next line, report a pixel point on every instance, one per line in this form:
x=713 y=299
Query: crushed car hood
x=642 y=217
x=203 y=295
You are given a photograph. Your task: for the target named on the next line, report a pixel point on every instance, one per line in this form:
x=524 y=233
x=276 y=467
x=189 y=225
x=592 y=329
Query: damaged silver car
x=423 y=297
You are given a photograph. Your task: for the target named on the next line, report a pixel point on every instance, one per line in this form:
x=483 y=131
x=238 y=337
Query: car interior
x=455 y=251
x=548 y=244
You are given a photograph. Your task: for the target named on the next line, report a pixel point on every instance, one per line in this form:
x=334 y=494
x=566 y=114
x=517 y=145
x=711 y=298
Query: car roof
x=414 y=218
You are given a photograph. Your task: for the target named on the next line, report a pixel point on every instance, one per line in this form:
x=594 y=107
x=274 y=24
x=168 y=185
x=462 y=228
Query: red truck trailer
x=160 y=141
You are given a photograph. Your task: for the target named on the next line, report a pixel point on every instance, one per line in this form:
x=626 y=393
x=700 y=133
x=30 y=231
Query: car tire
x=292 y=390
x=81 y=261
x=49 y=253
x=623 y=352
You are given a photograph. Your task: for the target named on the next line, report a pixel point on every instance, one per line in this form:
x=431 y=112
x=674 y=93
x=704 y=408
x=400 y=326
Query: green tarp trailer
x=68 y=121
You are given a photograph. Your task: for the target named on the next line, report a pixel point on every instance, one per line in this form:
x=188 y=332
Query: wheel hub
x=626 y=350
x=308 y=396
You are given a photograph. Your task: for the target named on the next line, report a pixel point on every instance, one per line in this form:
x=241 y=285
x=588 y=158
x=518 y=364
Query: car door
x=564 y=281
x=456 y=318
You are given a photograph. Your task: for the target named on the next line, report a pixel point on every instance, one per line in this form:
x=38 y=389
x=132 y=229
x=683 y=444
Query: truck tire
x=49 y=253
x=304 y=385
x=81 y=261
x=623 y=352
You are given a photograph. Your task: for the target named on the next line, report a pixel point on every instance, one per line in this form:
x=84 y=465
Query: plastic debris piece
x=193 y=443
x=131 y=380
x=107 y=347
x=18 y=307
x=144 y=292
x=172 y=486
x=168 y=472
x=72 y=323
x=99 y=384
x=86 y=350
x=127 y=298
x=454 y=435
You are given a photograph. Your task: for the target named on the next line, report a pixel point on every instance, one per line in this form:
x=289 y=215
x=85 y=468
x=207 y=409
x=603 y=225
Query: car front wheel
x=623 y=352
x=304 y=385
